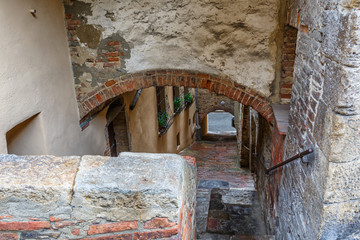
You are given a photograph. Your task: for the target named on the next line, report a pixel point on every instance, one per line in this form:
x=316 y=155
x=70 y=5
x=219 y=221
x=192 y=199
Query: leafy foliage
x=162 y=119
x=178 y=102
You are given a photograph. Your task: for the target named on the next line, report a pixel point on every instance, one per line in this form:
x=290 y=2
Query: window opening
x=27 y=138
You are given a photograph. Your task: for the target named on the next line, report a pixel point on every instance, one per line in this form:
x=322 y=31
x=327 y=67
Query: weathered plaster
x=36 y=77
x=236 y=38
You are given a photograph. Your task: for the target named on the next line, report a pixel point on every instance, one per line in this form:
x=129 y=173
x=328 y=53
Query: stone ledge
x=76 y=197
x=31 y=183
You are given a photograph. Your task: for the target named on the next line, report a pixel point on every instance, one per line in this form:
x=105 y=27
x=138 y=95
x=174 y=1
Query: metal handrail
x=293 y=158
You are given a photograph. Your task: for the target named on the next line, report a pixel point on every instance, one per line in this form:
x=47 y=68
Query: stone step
x=252 y=237
x=212 y=236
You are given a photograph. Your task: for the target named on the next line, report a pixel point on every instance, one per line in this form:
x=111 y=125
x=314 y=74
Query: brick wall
x=320 y=200
x=102 y=95
x=82 y=198
x=287 y=64
x=210 y=102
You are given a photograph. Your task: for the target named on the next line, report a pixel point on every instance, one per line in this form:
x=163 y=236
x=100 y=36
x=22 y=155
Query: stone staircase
x=227 y=206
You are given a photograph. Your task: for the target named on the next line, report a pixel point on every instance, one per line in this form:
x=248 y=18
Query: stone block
x=133 y=186
x=211 y=184
x=343 y=182
x=341 y=221
x=339 y=137
x=241 y=197
x=38 y=186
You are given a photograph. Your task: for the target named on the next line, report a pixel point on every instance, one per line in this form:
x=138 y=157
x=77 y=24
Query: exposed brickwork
x=158 y=223
x=109 y=60
x=209 y=102
x=156 y=234
x=8 y=236
x=101 y=96
x=153 y=229
x=27 y=226
x=112 y=227
x=287 y=64
x=177 y=221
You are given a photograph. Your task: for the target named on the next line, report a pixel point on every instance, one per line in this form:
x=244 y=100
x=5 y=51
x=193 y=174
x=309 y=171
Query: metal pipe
x=299 y=155
x=136 y=98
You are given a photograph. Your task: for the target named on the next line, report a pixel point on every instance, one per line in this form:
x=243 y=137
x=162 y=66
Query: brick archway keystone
x=221 y=85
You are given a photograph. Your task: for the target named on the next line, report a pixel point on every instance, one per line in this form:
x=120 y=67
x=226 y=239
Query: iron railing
x=289 y=160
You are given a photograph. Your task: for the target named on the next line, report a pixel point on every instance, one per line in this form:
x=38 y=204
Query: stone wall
x=320 y=200
x=234 y=38
x=93 y=197
x=287 y=64
x=210 y=102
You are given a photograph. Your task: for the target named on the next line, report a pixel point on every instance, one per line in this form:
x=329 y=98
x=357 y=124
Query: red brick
x=108 y=65
x=54 y=219
x=286 y=85
x=286 y=96
x=98 y=98
x=109 y=83
x=75 y=231
x=27 y=226
x=212 y=223
x=305 y=29
x=128 y=236
x=113 y=43
x=8 y=236
x=209 y=85
x=156 y=234
x=204 y=76
x=162 y=222
x=62 y=224
x=113 y=54
x=203 y=83
x=112 y=227
x=113 y=59
x=129 y=86
x=245 y=99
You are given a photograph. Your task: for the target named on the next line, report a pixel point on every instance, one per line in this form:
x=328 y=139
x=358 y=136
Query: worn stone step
x=252 y=237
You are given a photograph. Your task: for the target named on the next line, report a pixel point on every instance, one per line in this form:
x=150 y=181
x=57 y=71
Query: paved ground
x=219 y=161
x=226 y=197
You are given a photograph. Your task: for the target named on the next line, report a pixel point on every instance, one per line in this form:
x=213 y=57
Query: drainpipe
x=198 y=127
x=136 y=98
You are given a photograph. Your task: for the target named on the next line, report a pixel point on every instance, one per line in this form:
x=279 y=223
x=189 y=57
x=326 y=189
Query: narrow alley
x=227 y=206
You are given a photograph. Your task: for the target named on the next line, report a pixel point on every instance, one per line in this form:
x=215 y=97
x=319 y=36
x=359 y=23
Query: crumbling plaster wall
x=321 y=200
x=235 y=38
x=36 y=77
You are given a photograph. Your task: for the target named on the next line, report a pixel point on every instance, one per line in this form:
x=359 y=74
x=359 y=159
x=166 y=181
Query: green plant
x=162 y=119
x=177 y=103
x=188 y=98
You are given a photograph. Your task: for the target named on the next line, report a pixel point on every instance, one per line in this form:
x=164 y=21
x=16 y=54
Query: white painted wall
x=36 y=76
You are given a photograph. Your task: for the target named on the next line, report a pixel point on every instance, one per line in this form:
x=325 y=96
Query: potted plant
x=162 y=119
x=188 y=99
x=178 y=102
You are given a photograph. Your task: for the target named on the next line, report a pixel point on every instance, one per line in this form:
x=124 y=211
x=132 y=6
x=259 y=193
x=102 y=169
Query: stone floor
x=226 y=197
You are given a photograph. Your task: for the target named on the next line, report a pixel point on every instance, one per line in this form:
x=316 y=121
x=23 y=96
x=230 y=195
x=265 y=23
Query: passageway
x=227 y=206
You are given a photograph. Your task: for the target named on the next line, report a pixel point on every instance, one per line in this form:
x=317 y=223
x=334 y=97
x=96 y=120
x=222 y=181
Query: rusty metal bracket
x=293 y=158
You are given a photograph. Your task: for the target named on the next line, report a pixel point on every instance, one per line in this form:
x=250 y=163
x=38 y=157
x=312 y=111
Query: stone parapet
x=133 y=196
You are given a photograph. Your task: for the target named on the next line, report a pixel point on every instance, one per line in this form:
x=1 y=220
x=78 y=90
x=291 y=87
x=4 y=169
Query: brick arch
x=221 y=85
x=213 y=109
